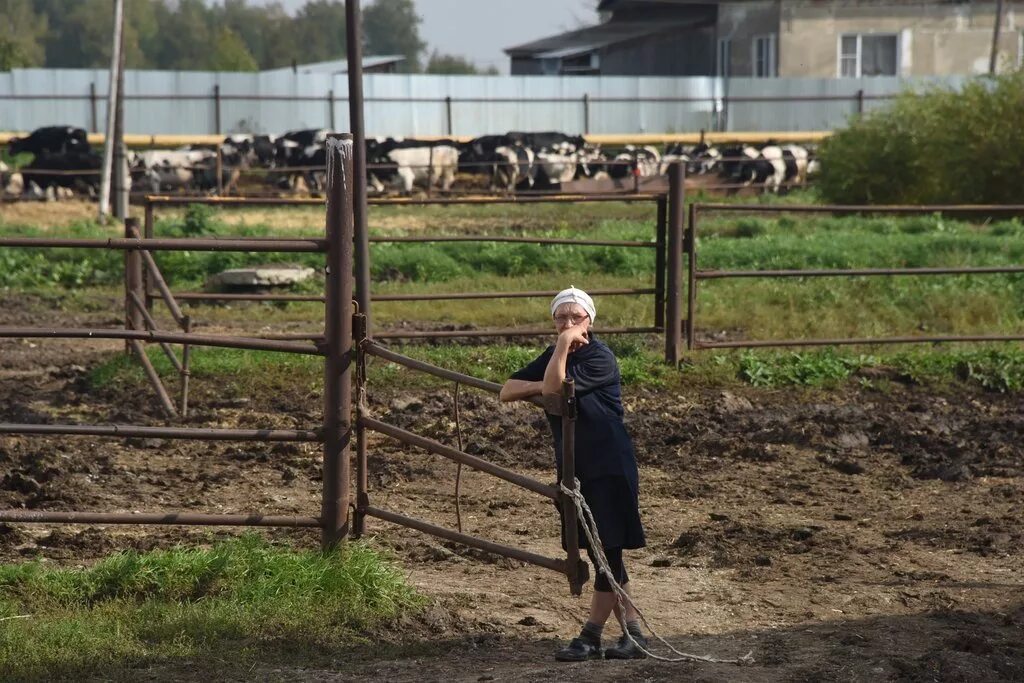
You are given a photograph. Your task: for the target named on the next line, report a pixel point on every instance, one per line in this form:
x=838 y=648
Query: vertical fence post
x=448 y=115
x=216 y=109
x=186 y=359
x=362 y=495
x=570 y=521
x=337 y=427
x=94 y=124
x=860 y=102
x=330 y=109
x=147 y=232
x=430 y=171
x=673 y=314
x=660 y=228
x=220 y=172
x=586 y=113
x=354 y=50
x=132 y=282
x=691 y=290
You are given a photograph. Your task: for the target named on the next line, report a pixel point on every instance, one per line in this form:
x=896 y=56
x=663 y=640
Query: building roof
x=595 y=37
x=340 y=66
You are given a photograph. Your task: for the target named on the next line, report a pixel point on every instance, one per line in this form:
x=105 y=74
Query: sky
x=481 y=29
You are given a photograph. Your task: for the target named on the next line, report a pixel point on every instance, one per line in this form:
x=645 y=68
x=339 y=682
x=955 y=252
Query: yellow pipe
x=142 y=140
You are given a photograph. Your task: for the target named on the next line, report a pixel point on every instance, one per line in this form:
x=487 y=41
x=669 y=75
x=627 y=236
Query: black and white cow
x=51 y=140
x=401 y=163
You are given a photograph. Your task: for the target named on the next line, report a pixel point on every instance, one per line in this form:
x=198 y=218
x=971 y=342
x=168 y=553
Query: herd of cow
x=63 y=163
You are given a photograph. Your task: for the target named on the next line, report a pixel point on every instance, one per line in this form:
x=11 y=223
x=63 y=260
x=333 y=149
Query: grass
x=240 y=599
x=998 y=368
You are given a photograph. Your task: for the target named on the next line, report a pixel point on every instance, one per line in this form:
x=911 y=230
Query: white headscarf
x=574 y=296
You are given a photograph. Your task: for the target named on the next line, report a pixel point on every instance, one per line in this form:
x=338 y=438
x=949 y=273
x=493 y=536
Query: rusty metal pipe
x=674 y=309
x=570 y=520
x=511 y=332
x=863 y=341
x=158 y=278
x=167 y=200
x=450 y=296
x=856 y=209
x=176 y=244
x=515 y=240
x=186 y=368
x=337 y=424
x=856 y=272
x=691 y=274
x=661 y=242
x=151 y=324
x=508 y=475
x=154 y=378
x=186 y=433
x=376 y=350
x=157 y=336
x=466 y=539
x=176 y=518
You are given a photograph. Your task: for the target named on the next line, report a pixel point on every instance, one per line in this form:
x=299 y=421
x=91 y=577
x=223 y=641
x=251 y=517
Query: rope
x=594 y=539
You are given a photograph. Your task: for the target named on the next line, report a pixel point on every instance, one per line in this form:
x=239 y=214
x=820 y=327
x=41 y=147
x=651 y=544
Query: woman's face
x=569 y=314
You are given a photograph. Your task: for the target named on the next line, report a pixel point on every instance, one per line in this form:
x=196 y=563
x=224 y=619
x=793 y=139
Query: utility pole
x=109 y=142
x=994 y=58
x=119 y=177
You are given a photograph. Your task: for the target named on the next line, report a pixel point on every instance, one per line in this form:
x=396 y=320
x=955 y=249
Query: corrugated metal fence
x=194 y=102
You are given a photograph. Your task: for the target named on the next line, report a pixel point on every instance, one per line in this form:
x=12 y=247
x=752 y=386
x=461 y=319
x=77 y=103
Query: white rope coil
x=594 y=539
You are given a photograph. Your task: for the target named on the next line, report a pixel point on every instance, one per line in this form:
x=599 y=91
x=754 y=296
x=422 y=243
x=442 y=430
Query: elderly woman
x=605 y=462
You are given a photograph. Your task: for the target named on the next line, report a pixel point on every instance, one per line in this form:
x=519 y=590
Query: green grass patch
x=246 y=373
x=998 y=369
x=242 y=598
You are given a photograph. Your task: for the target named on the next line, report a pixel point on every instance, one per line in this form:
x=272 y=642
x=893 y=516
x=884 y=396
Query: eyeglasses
x=570 y=319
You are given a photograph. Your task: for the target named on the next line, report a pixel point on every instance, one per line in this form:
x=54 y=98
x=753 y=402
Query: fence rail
x=696 y=275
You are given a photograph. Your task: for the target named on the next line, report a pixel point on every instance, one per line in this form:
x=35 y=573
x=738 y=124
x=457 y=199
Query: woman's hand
x=573 y=338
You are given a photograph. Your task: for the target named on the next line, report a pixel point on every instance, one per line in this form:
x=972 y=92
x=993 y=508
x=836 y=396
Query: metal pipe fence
x=140 y=326
x=572 y=567
x=668 y=222
x=695 y=274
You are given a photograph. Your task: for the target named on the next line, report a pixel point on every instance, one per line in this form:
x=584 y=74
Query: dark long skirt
x=613 y=501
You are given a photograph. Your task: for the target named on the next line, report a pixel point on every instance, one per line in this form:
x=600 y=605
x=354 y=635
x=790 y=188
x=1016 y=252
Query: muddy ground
x=843 y=535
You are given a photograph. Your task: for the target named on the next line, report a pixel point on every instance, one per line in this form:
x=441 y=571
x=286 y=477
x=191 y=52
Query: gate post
x=337 y=428
x=674 y=312
x=147 y=232
x=362 y=497
x=691 y=289
x=576 y=569
x=133 y=282
x=659 y=262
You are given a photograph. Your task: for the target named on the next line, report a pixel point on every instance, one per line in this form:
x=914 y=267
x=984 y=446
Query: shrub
x=937 y=146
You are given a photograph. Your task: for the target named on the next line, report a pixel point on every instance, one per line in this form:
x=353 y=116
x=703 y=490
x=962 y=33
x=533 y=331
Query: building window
x=764 y=56
x=868 y=54
x=724 y=57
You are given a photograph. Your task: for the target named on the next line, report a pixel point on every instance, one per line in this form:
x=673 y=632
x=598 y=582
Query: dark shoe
x=578 y=651
x=625 y=649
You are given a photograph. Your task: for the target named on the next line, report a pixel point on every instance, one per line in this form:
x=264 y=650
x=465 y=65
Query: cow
x=407 y=161
x=638 y=161
x=51 y=140
x=513 y=168
x=62 y=172
x=173 y=169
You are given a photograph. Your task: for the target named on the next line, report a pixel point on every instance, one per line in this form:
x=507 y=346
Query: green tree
x=440 y=63
x=21 y=35
x=320 y=29
x=230 y=53
x=937 y=146
x=392 y=27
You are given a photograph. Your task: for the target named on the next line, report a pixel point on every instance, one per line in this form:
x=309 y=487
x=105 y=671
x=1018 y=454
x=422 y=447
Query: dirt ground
x=847 y=535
